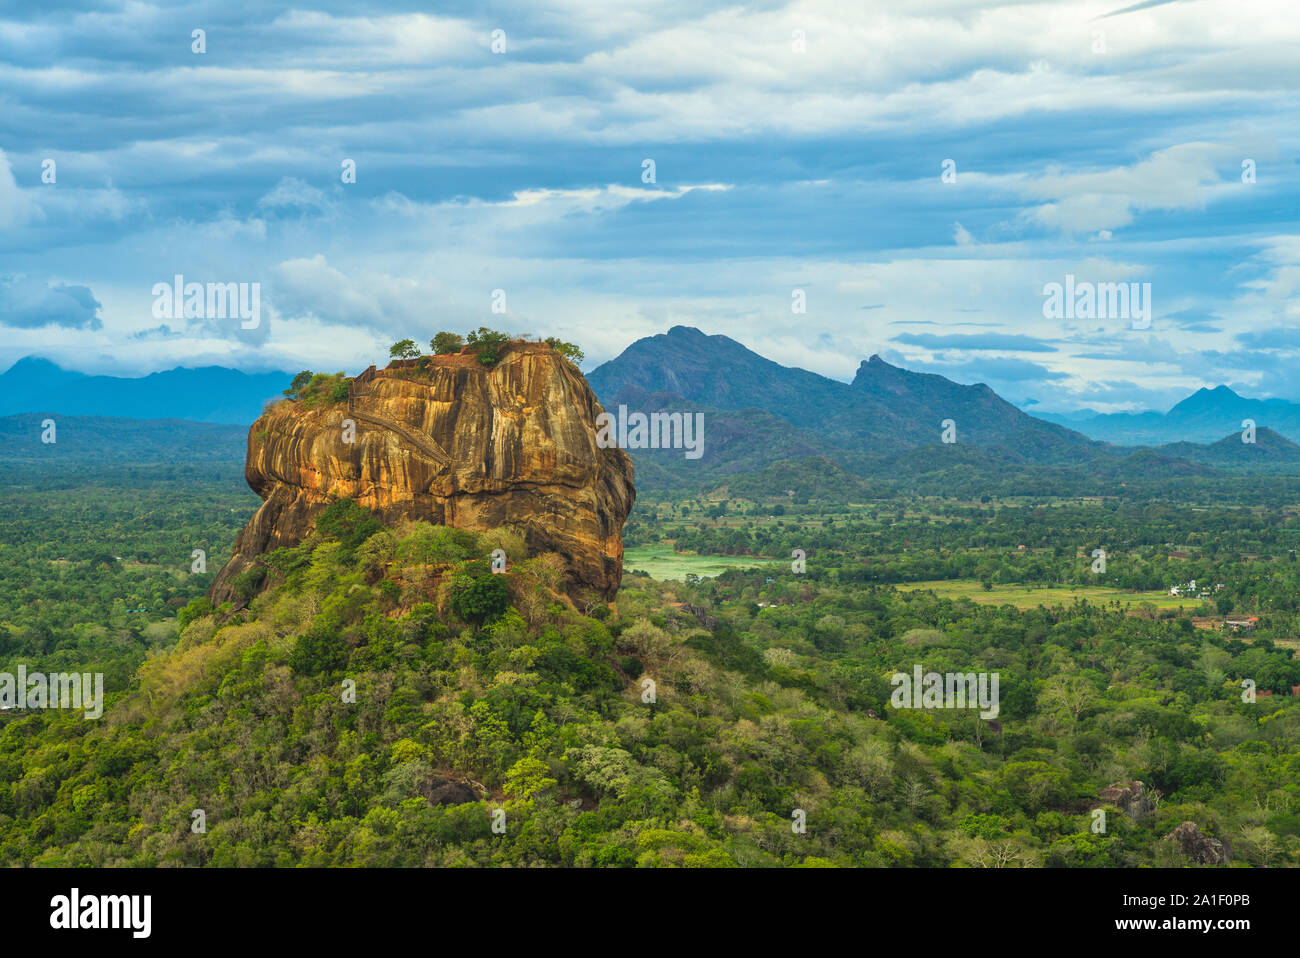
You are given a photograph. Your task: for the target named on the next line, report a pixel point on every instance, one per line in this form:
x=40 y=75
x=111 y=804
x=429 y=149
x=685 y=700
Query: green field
x=1029 y=597
x=663 y=564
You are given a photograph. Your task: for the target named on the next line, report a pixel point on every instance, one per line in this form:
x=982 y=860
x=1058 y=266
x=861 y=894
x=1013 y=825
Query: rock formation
x=453 y=442
x=1198 y=846
x=1131 y=798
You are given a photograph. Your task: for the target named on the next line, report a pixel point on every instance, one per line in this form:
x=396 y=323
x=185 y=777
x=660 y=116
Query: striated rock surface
x=457 y=444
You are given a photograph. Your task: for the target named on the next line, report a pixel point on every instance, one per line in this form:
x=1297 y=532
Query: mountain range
x=887 y=424
x=212 y=394
x=1203 y=416
x=771 y=427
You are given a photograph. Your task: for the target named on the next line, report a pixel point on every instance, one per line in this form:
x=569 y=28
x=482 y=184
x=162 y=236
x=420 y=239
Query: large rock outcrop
x=455 y=443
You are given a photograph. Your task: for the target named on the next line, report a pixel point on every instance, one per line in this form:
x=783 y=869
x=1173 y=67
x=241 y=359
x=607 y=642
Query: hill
x=1268 y=452
x=1202 y=417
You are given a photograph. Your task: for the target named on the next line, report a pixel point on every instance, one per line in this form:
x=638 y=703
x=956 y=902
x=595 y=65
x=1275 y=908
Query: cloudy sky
x=795 y=146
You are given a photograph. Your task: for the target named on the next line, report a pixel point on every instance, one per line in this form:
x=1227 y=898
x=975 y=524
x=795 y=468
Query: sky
x=914 y=175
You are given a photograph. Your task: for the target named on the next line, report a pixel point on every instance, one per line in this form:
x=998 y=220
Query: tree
x=404 y=349
x=246 y=584
x=568 y=350
x=527 y=777
x=480 y=599
x=313 y=389
x=299 y=383
x=487 y=343
x=196 y=608
x=446 y=343
x=1069 y=693
x=350 y=523
x=318 y=650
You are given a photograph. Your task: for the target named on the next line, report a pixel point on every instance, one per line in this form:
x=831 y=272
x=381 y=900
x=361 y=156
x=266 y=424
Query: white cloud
x=16 y=208
x=1180 y=177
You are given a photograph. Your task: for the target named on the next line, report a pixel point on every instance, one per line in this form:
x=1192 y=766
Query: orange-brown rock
x=455 y=443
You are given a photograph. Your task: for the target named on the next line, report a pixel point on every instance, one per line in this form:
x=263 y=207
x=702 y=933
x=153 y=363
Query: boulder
x=1199 y=847
x=1131 y=798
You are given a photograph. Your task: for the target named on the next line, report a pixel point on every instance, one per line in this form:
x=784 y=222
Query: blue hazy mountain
x=763 y=419
x=1205 y=416
x=207 y=394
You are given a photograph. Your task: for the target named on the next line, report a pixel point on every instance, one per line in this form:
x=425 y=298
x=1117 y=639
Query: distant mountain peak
x=1218 y=398
x=687 y=332
x=31 y=363
x=1220 y=392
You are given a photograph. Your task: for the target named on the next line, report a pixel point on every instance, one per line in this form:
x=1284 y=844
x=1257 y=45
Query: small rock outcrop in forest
x=453 y=442
x=1131 y=798
x=1198 y=846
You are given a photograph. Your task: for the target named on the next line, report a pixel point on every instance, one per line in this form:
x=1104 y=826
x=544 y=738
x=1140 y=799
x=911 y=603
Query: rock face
x=444 y=791
x=1198 y=846
x=457 y=444
x=1131 y=798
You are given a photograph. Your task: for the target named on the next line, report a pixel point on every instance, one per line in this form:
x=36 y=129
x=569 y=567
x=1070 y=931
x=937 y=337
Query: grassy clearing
x=1030 y=597
x=662 y=563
